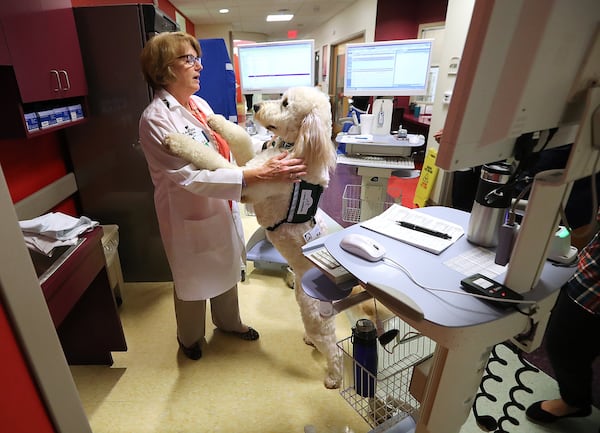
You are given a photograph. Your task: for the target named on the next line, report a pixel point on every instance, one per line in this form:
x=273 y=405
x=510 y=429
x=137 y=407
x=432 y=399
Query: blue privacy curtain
x=217 y=79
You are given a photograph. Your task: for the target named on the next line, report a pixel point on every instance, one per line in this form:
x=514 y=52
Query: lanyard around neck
x=222 y=145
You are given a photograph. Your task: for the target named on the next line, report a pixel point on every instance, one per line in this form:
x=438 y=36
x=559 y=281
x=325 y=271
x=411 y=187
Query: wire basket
x=353 y=202
x=391 y=401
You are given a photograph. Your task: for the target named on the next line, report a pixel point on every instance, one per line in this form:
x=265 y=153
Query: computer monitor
x=387 y=68
x=528 y=67
x=273 y=67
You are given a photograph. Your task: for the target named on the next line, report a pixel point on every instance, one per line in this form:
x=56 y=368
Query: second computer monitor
x=387 y=68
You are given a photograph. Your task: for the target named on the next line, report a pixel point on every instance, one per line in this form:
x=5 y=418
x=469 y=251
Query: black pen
x=424 y=230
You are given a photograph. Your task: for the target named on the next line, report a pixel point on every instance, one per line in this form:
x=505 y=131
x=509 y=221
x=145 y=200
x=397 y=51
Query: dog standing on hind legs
x=301 y=124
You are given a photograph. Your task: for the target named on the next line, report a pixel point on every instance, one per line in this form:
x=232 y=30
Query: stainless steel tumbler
x=491 y=204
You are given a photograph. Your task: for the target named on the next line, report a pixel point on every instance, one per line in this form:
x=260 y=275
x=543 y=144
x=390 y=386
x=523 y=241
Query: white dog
x=301 y=124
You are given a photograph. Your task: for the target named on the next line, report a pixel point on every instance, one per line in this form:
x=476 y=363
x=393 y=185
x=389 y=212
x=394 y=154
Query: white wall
x=216 y=31
x=359 y=18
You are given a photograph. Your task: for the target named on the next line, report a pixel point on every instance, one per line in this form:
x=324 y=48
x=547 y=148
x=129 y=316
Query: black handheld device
x=481 y=285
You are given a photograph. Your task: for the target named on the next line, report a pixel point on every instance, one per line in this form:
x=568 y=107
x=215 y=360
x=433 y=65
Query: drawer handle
x=67 y=82
x=55 y=73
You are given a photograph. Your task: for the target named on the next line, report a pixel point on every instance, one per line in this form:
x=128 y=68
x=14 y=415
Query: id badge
x=313 y=233
x=197 y=134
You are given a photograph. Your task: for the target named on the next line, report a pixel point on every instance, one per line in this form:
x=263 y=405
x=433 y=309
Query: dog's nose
x=256 y=107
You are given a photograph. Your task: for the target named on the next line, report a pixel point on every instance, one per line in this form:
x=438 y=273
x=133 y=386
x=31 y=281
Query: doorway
x=339 y=103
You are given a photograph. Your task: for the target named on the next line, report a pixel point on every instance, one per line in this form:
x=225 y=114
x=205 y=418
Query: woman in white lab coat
x=197 y=211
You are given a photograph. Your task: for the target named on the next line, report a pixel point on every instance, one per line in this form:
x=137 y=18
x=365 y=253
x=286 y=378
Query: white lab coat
x=203 y=238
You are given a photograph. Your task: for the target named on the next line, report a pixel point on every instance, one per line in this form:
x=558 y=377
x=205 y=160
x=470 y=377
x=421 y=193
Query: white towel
x=57 y=225
x=44 y=244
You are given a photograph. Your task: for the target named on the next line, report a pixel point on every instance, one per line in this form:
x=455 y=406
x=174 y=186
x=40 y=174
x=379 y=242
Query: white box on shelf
x=75 y=111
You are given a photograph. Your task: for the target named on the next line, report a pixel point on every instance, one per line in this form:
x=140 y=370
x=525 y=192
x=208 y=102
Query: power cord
x=392 y=263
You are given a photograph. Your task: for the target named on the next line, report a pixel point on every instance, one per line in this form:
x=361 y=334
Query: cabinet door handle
x=67 y=82
x=55 y=73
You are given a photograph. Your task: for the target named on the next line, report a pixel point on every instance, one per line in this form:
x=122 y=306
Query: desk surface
x=440 y=308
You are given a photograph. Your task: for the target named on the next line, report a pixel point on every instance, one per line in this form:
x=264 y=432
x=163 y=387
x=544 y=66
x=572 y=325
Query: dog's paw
x=332 y=382
x=308 y=341
x=174 y=143
x=216 y=122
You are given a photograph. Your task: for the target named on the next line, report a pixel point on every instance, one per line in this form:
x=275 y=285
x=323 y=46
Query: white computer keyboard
x=323 y=259
x=393 y=162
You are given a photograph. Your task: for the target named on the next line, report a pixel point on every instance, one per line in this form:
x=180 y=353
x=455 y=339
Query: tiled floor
x=273 y=385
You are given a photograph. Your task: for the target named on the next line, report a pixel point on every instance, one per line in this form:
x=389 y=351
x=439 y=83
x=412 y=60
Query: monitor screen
x=387 y=68
x=273 y=67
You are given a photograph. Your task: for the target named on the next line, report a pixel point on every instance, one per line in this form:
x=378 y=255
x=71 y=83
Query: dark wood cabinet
x=43 y=68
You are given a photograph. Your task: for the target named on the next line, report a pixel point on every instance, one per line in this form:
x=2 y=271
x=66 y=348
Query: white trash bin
x=110 y=243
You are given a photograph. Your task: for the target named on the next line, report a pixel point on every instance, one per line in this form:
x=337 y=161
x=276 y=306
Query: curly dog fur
x=301 y=119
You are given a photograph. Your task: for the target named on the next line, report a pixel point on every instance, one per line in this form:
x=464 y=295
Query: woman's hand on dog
x=276 y=169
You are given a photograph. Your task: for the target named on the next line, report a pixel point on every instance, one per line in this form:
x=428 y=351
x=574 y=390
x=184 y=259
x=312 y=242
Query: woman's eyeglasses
x=191 y=60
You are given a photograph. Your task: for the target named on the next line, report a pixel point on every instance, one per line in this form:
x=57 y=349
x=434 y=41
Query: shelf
x=31 y=134
x=13 y=111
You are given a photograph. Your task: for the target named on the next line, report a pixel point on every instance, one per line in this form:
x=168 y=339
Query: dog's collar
x=278 y=143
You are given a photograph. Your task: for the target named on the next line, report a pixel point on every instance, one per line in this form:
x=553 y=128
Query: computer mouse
x=363 y=247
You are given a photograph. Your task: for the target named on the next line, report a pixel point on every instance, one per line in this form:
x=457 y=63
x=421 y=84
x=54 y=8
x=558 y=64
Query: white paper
x=387 y=224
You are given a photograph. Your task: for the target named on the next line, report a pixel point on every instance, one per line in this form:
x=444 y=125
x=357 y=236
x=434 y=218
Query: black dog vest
x=303 y=205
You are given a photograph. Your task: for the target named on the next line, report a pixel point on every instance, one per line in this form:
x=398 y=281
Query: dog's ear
x=314 y=141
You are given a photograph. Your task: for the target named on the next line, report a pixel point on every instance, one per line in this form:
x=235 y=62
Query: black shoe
x=193 y=352
x=250 y=335
x=536 y=414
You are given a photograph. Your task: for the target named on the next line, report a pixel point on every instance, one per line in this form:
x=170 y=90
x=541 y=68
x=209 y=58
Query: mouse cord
x=392 y=263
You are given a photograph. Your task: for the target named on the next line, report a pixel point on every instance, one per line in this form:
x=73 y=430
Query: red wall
x=29 y=165
x=401 y=19
x=21 y=407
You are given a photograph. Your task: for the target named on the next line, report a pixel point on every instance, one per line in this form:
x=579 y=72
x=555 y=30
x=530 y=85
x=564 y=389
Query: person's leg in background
x=571 y=342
